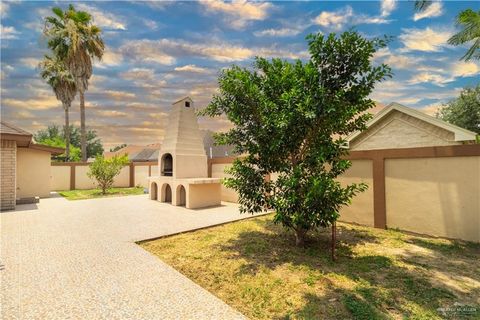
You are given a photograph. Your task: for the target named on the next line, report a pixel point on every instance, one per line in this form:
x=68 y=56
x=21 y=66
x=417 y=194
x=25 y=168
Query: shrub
x=105 y=170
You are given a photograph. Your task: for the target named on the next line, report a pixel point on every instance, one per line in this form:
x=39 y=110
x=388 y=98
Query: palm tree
x=469 y=20
x=76 y=40
x=56 y=74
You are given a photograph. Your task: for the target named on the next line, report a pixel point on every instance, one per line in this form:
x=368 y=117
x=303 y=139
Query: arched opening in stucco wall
x=153 y=191
x=166 y=165
x=166 y=193
x=181 y=195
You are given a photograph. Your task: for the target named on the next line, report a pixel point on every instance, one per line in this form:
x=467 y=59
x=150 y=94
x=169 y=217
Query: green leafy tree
x=74 y=38
x=289 y=118
x=104 y=170
x=55 y=73
x=463 y=111
x=53 y=133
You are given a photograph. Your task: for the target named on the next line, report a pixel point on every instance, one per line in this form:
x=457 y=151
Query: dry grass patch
x=254 y=266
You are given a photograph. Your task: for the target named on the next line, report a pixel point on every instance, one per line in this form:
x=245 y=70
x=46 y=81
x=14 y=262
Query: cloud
x=336 y=20
x=164 y=51
x=464 y=69
x=120 y=95
x=138 y=74
x=4 y=8
x=434 y=78
x=32 y=63
x=426 y=39
x=282 y=32
x=239 y=12
x=433 y=10
x=7 y=33
x=103 y=19
x=191 y=68
x=387 y=6
x=431 y=109
x=37 y=103
x=112 y=113
x=147 y=50
x=150 y=24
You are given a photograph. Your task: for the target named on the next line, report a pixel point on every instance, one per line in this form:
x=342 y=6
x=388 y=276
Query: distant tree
x=116 y=148
x=289 y=118
x=104 y=170
x=55 y=73
x=53 y=133
x=74 y=38
x=463 y=111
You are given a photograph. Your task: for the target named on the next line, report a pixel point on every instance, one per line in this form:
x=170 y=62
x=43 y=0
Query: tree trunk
x=300 y=235
x=83 y=133
x=67 y=134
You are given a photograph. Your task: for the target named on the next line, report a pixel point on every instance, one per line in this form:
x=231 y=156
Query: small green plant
x=105 y=170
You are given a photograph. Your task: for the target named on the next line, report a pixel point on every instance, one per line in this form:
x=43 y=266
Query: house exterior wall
x=33 y=173
x=361 y=209
x=399 y=130
x=8 y=174
x=435 y=196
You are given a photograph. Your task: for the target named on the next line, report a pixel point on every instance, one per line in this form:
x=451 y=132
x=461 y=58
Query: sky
x=158 y=52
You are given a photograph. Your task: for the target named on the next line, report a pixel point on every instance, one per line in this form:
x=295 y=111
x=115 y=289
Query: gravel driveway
x=78 y=260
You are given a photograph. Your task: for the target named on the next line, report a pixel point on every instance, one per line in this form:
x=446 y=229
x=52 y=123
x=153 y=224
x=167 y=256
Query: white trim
x=460 y=134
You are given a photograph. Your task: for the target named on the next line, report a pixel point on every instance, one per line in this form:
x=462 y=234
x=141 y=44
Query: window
x=187 y=104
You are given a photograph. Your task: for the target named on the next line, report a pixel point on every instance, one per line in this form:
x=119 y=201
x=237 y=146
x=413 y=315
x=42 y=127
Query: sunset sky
x=157 y=52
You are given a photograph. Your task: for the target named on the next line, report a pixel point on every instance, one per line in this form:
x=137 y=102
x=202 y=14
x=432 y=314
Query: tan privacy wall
x=60 y=178
x=33 y=173
x=435 y=196
x=141 y=176
x=361 y=209
x=218 y=171
x=61 y=175
x=7 y=161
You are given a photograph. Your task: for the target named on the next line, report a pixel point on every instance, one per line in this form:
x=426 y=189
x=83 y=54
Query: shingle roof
x=144 y=155
x=8 y=128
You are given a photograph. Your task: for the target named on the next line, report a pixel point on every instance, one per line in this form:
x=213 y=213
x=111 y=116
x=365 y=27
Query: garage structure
x=25 y=167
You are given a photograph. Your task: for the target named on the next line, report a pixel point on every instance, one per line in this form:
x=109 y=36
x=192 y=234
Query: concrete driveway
x=78 y=260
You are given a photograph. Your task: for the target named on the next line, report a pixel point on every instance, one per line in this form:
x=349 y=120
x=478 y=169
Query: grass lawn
x=254 y=266
x=97 y=193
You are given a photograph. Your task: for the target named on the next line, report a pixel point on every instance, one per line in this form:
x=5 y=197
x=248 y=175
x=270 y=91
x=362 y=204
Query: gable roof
x=460 y=134
x=23 y=138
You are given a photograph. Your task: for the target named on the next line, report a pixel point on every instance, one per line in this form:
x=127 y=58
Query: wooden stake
x=334 y=240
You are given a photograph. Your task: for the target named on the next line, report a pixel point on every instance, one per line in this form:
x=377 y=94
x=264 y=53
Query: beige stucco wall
x=399 y=130
x=203 y=195
x=141 y=176
x=33 y=173
x=8 y=168
x=361 y=209
x=60 y=178
x=227 y=194
x=82 y=181
x=435 y=196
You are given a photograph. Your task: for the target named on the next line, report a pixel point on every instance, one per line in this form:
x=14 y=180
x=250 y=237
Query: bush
x=105 y=170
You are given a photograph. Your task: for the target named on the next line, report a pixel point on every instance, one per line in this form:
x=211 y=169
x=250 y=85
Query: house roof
x=144 y=155
x=23 y=138
x=460 y=134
